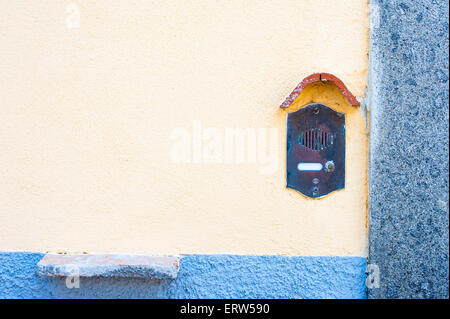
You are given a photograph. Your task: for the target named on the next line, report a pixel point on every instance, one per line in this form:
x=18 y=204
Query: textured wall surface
x=201 y=276
x=88 y=115
x=409 y=148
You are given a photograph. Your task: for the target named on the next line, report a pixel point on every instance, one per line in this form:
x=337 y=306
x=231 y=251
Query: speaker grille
x=316 y=139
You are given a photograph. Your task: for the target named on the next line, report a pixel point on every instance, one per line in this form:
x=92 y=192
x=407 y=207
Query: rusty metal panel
x=315 y=164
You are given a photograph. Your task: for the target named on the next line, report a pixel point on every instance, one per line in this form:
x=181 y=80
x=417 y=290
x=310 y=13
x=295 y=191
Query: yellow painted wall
x=87 y=114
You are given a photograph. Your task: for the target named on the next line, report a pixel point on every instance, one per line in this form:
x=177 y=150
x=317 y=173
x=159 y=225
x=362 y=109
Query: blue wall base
x=200 y=276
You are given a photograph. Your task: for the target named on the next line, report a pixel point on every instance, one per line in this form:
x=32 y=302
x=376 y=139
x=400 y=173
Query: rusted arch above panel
x=317 y=77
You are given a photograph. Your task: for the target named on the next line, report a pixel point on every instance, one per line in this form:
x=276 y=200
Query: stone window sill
x=108 y=265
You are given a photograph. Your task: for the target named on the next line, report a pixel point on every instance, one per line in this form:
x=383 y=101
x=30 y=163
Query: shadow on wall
x=200 y=276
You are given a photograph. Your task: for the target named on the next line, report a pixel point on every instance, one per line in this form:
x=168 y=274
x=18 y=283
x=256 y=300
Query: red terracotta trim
x=341 y=86
x=316 y=77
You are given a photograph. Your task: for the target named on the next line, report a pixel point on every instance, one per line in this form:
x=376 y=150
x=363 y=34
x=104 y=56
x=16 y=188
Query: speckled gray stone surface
x=409 y=148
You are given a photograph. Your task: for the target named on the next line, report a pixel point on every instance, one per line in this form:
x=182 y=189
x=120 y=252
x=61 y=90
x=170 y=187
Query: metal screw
x=329 y=166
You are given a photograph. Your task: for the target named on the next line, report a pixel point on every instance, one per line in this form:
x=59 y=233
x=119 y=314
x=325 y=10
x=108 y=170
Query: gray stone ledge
x=108 y=265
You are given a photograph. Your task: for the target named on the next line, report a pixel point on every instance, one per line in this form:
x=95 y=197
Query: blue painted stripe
x=200 y=276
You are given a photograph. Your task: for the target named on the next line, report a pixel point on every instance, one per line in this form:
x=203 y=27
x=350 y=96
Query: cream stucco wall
x=87 y=115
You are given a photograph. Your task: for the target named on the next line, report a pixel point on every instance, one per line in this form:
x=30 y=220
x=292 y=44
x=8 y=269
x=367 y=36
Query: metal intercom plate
x=315 y=164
